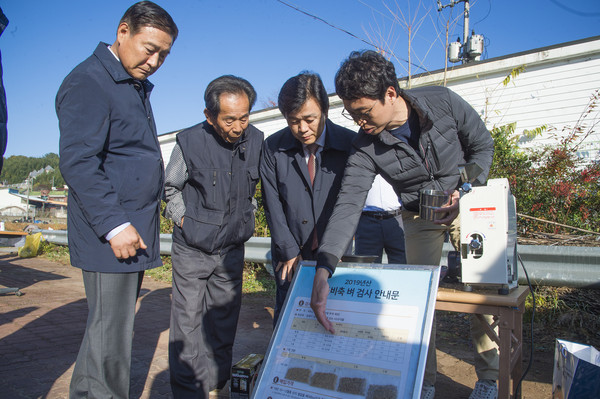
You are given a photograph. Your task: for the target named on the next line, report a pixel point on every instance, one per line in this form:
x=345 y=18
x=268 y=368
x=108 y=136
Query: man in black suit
x=298 y=206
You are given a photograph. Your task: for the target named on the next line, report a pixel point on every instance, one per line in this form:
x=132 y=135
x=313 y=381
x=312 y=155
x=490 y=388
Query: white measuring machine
x=488 y=239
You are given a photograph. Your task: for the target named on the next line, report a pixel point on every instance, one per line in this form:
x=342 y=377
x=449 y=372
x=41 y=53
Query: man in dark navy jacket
x=210 y=185
x=297 y=208
x=3 y=110
x=110 y=158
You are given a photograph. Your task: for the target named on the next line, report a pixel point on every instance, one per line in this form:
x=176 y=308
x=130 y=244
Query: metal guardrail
x=546 y=265
x=55 y=236
x=59 y=237
x=557 y=266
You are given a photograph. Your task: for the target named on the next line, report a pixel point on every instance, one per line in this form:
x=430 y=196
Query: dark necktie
x=312 y=161
x=312 y=168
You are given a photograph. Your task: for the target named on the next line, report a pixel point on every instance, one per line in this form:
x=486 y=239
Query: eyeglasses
x=363 y=116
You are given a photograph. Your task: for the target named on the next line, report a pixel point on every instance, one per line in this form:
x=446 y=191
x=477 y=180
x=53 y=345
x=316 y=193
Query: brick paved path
x=40 y=332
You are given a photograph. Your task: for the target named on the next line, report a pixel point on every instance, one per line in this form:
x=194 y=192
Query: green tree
x=51 y=179
x=261 y=229
x=552 y=182
x=16 y=168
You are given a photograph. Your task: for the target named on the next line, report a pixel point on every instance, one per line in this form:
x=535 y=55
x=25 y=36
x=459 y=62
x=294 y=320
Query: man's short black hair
x=297 y=90
x=227 y=84
x=147 y=13
x=365 y=74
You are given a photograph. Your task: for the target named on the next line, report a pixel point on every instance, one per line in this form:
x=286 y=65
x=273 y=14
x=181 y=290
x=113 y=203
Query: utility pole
x=471 y=47
x=27 y=207
x=466 y=13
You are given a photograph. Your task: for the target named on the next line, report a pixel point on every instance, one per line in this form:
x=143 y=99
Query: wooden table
x=4 y=233
x=508 y=317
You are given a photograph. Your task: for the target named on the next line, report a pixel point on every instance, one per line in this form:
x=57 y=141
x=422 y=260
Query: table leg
x=517 y=371
x=507 y=327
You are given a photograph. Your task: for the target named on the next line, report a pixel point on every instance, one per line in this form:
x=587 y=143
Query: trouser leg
x=368 y=239
x=207 y=291
x=431 y=364
x=188 y=364
x=486 y=355
x=393 y=238
x=103 y=364
x=424 y=241
x=280 y=294
x=222 y=309
x=282 y=287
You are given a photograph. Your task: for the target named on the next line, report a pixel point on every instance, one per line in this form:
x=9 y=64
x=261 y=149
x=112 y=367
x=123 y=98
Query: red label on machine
x=483 y=213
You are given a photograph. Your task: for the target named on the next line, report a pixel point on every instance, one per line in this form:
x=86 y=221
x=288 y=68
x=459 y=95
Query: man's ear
x=391 y=92
x=123 y=30
x=208 y=116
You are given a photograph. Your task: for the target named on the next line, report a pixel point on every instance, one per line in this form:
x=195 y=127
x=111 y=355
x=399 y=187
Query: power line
x=327 y=23
x=348 y=33
x=486 y=15
x=576 y=12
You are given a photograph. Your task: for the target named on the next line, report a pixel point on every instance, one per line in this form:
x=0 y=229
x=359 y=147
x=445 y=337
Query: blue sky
x=263 y=41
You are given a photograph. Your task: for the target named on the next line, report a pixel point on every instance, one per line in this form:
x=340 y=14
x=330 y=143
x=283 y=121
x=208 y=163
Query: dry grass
x=565 y=313
x=19 y=226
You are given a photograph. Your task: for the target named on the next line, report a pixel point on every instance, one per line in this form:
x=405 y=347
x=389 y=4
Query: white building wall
x=167 y=142
x=11 y=205
x=554 y=89
x=555 y=96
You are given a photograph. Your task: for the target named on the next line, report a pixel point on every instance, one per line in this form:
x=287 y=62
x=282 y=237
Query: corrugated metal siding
x=270 y=126
x=553 y=95
x=167 y=142
x=553 y=90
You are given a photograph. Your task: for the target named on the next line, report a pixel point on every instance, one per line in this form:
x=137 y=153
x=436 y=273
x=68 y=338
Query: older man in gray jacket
x=415 y=140
x=210 y=185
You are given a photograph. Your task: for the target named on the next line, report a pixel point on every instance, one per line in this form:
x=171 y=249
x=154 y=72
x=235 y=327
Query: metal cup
x=429 y=201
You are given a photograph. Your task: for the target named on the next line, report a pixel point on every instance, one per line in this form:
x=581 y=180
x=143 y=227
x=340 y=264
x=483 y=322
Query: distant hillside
x=17 y=167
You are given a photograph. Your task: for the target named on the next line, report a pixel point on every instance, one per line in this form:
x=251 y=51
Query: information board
x=382 y=316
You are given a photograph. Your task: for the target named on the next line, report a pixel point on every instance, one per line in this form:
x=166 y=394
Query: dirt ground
x=456 y=374
x=40 y=333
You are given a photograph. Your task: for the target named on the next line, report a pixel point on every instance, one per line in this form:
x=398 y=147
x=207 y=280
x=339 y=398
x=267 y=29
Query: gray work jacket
x=218 y=193
x=451 y=133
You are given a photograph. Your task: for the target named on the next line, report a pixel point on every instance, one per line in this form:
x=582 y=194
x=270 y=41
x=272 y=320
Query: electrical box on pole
x=454 y=51
x=475 y=47
x=471 y=48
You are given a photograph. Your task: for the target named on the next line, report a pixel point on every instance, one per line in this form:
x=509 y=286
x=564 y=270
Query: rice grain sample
x=324 y=380
x=382 y=392
x=355 y=386
x=298 y=374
